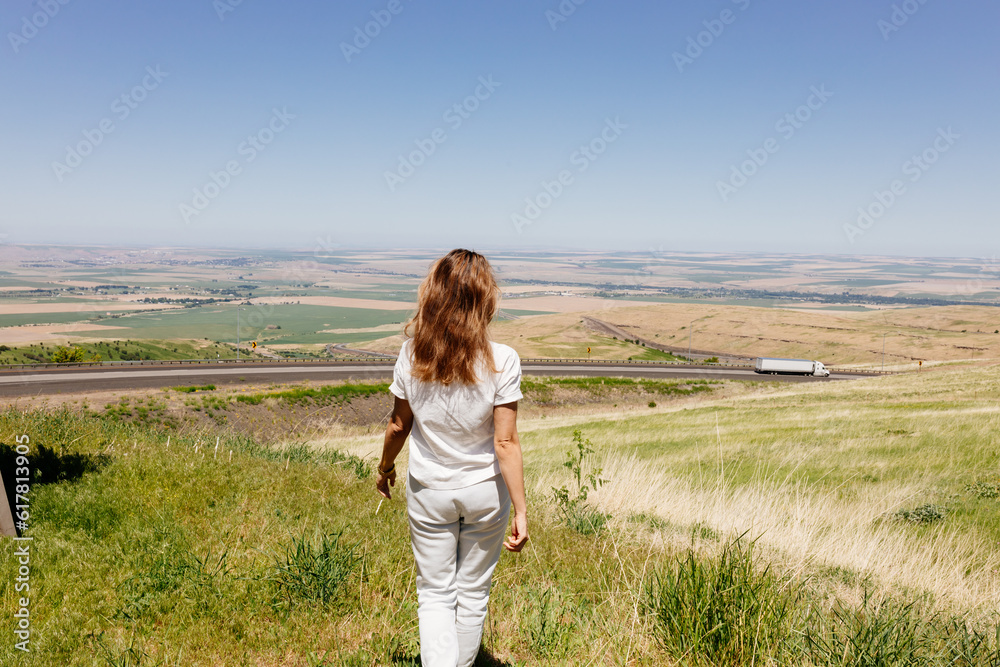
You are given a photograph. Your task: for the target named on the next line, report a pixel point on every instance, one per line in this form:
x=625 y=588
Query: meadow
x=850 y=523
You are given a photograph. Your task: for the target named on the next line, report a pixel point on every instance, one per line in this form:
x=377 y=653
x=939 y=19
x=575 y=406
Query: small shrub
x=924 y=514
x=573 y=507
x=652 y=404
x=984 y=489
x=194 y=388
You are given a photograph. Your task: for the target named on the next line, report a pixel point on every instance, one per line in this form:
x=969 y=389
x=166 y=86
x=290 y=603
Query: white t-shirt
x=451 y=443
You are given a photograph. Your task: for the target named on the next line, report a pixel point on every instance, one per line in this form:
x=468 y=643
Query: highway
x=27 y=381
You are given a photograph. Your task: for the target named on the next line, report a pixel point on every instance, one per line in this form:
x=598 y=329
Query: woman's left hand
x=384 y=481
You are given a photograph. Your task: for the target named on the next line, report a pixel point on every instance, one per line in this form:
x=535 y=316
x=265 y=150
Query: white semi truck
x=791 y=367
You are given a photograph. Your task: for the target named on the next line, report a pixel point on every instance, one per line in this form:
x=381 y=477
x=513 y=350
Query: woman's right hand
x=518 y=533
x=384 y=480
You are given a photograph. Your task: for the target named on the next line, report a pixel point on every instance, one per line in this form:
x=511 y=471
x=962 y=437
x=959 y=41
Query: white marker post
x=7 y=527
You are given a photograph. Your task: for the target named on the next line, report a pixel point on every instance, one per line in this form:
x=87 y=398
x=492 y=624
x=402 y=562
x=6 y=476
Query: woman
x=457 y=391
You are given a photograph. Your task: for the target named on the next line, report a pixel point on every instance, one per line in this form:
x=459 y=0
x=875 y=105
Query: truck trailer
x=791 y=367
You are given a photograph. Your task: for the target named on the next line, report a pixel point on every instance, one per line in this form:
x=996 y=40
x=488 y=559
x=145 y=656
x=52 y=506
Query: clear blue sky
x=674 y=128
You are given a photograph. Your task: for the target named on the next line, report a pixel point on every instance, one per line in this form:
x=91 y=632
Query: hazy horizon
x=320 y=247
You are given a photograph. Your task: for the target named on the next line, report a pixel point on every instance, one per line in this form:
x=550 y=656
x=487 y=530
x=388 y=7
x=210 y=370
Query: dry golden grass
x=815 y=472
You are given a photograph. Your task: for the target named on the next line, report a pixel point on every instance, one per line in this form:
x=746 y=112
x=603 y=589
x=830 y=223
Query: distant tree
x=64 y=355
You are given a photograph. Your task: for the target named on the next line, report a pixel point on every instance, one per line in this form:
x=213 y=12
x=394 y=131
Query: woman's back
x=451 y=444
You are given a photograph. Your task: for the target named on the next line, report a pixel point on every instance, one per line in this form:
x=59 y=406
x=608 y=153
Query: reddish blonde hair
x=455 y=304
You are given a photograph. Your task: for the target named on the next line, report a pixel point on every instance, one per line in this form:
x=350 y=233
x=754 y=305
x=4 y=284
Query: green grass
x=194 y=388
x=722 y=610
x=171 y=555
x=323 y=395
x=542 y=389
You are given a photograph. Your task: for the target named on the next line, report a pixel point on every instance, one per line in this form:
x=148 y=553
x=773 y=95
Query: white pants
x=457 y=535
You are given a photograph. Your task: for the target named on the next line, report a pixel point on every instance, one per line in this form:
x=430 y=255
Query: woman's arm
x=508 y=449
x=400 y=423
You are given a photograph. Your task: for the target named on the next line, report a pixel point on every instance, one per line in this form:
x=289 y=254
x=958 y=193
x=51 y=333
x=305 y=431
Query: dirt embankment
x=301 y=411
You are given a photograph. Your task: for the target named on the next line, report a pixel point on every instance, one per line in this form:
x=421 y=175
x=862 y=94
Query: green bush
x=984 y=489
x=924 y=514
x=64 y=355
x=192 y=389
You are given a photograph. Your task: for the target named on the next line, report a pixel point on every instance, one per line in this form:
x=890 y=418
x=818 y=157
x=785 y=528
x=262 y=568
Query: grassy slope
x=817 y=472
x=168 y=553
x=165 y=556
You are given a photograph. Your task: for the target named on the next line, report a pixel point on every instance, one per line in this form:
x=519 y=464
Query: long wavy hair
x=455 y=304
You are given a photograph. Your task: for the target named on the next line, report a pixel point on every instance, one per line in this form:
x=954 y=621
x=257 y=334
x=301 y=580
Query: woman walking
x=456 y=393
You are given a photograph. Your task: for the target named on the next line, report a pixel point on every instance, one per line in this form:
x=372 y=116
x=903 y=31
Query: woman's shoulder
x=403 y=356
x=503 y=352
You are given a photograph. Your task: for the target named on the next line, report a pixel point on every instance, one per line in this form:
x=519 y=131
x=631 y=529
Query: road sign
x=254 y=345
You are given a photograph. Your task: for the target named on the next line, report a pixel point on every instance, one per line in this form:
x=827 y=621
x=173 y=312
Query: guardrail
x=377 y=361
x=194 y=362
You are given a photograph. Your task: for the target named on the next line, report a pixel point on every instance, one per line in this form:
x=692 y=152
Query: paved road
x=74 y=380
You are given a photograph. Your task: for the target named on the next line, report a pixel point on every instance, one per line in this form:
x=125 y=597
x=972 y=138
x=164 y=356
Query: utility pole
x=883 y=351
x=238 y=309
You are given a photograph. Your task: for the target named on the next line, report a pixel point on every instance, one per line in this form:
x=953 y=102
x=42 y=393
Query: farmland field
x=837 y=309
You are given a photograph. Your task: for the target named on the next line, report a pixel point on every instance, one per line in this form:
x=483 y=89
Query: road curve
x=28 y=382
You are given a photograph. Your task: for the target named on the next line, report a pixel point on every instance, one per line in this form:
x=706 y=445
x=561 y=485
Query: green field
x=298 y=324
